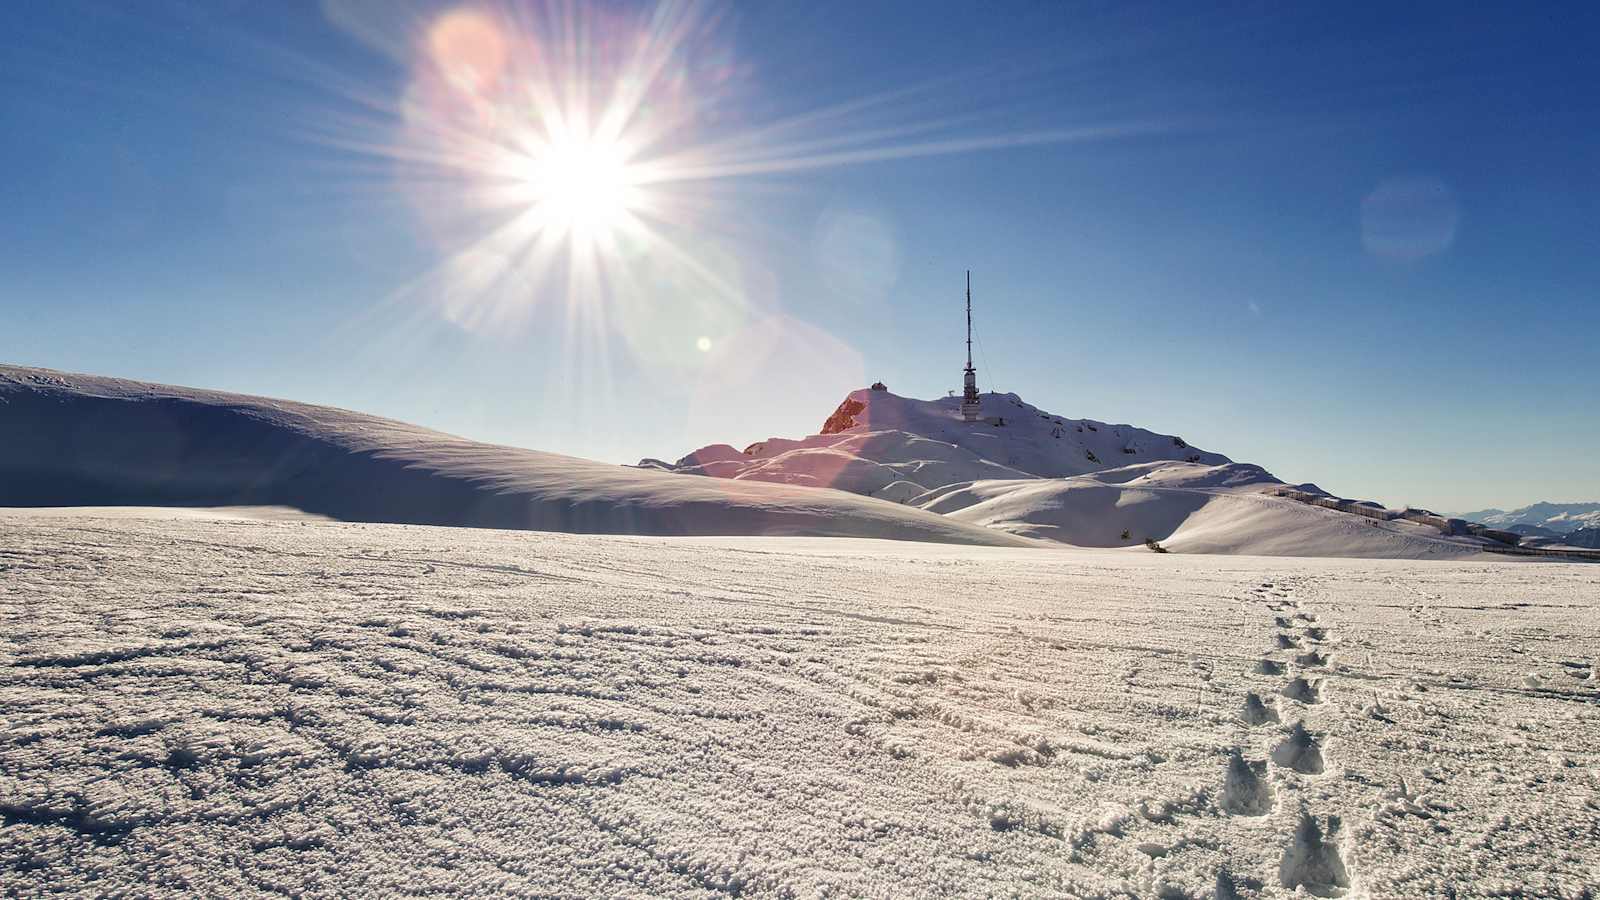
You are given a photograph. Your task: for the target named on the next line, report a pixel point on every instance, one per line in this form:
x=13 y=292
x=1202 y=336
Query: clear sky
x=1356 y=244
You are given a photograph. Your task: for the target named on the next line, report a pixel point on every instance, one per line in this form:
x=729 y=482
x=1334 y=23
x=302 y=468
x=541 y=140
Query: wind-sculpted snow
x=84 y=440
x=1187 y=508
x=239 y=707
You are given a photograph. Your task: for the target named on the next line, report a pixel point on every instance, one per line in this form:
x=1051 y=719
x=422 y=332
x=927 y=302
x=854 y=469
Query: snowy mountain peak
x=1556 y=517
x=879 y=443
x=1036 y=474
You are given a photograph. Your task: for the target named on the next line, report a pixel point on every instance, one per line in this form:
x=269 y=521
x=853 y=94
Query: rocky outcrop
x=844 y=417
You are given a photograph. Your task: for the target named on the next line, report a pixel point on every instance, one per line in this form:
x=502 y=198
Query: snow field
x=252 y=707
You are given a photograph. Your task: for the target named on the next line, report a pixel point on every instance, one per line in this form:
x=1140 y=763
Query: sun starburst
x=567 y=159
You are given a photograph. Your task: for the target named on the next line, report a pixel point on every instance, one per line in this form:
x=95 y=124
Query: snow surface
x=1187 y=508
x=231 y=706
x=87 y=440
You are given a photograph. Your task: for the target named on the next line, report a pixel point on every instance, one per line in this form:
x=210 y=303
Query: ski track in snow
x=249 y=707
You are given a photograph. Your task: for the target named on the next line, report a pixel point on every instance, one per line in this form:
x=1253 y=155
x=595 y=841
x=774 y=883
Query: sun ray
x=579 y=165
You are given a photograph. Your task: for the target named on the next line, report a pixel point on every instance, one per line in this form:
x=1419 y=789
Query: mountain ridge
x=1079 y=482
x=1553 y=516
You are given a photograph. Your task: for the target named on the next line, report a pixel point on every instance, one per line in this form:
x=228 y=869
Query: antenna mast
x=971 y=406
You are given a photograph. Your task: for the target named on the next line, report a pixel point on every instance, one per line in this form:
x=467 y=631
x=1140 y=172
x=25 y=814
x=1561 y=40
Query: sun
x=581 y=185
x=595 y=160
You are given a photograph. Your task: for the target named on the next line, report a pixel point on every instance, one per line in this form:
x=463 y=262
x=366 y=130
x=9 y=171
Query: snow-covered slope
x=238 y=708
x=1188 y=508
x=1075 y=481
x=1557 y=517
x=72 y=440
x=876 y=440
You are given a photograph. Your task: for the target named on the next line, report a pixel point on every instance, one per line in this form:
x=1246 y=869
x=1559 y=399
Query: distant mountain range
x=1557 y=517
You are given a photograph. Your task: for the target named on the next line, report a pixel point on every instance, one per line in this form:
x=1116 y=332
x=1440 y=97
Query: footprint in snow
x=1312 y=859
x=1312 y=659
x=1300 y=752
x=1228 y=886
x=1269 y=667
x=1245 y=789
x=1302 y=691
x=1256 y=712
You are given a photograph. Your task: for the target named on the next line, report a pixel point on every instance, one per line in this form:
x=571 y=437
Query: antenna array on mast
x=971 y=406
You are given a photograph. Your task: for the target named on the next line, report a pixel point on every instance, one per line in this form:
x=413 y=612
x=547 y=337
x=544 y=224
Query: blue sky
x=1353 y=244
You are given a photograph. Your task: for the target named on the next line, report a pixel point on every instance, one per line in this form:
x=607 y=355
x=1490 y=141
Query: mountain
x=1532 y=531
x=1558 y=517
x=1588 y=537
x=885 y=445
x=74 y=440
x=1081 y=482
x=885 y=467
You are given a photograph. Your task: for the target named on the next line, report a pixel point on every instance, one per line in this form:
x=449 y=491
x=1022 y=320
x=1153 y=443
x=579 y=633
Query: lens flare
x=531 y=147
x=573 y=166
x=467 y=49
x=1409 y=219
